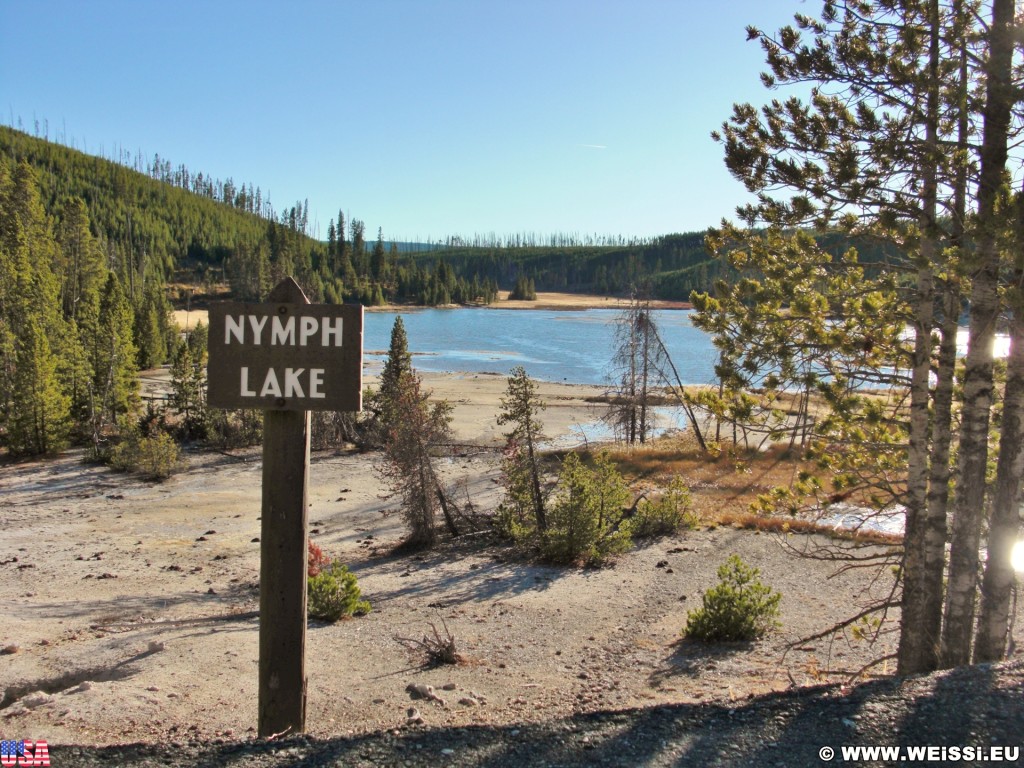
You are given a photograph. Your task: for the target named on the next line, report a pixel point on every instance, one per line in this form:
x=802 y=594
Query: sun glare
x=1017 y=557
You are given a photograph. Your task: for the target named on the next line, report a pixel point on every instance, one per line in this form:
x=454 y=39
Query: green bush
x=585 y=524
x=334 y=593
x=509 y=524
x=668 y=514
x=739 y=607
x=157 y=456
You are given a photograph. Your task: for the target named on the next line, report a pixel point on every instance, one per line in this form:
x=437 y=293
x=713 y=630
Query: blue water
x=552 y=345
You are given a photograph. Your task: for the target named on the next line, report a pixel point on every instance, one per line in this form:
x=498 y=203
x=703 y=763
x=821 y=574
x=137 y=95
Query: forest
x=186 y=228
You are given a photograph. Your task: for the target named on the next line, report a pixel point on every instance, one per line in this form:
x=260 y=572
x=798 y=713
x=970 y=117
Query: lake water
x=575 y=346
x=557 y=345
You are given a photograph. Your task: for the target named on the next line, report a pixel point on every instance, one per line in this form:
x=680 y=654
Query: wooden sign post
x=288 y=357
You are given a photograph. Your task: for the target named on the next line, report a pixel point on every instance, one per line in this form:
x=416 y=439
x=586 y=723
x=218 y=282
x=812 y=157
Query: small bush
x=585 y=524
x=234 y=428
x=510 y=525
x=334 y=593
x=667 y=515
x=739 y=607
x=157 y=457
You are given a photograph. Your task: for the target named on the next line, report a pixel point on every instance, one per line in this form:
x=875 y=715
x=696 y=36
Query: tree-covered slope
x=155 y=221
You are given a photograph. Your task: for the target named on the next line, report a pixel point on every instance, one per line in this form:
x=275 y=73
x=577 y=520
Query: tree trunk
x=958 y=619
x=918 y=631
x=538 y=498
x=449 y=519
x=997 y=586
x=934 y=560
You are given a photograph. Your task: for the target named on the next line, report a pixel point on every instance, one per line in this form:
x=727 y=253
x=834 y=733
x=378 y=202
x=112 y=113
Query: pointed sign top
x=287 y=292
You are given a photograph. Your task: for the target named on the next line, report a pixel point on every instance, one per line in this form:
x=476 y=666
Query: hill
x=169 y=222
x=186 y=226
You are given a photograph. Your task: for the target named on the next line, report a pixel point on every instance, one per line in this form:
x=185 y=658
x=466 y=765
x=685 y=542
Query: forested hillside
x=166 y=221
x=672 y=265
x=157 y=221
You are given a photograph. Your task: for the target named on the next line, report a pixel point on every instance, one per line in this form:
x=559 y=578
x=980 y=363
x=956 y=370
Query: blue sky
x=424 y=118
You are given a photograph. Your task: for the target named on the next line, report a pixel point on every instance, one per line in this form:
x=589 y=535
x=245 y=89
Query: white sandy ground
x=131 y=606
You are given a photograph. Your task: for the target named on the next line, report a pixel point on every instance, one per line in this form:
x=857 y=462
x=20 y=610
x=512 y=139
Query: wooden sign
x=286 y=356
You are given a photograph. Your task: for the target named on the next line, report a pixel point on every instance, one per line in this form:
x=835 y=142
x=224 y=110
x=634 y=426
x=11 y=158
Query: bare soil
x=131 y=607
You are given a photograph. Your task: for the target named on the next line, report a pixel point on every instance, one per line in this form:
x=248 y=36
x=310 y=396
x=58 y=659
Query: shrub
x=157 y=457
x=667 y=515
x=739 y=607
x=585 y=524
x=509 y=524
x=234 y=428
x=334 y=593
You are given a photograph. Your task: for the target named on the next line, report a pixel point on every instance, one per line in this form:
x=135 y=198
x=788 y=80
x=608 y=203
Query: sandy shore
x=187 y=319
x=477 y=401
x=476 y=398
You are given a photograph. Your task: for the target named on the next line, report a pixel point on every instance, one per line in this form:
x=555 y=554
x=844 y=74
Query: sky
x=424 y=118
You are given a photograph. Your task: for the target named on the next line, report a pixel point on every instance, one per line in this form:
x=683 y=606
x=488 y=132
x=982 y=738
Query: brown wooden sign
x=286 y=356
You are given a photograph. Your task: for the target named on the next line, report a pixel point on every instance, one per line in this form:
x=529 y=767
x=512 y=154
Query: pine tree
x=40 y=409
x=152 y=325
x=585 y=518
x=378 y=258
x=114 y=391
x=397 y=365
x=1001 y=97
x=414 y=432
x=81 y=262
x=886 y=145
x=188 y=385
x=520 y=408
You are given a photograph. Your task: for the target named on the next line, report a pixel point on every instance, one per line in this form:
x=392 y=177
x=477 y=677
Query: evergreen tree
x=81 y=262
x=584 y=522
x=1002 y=96
x=415 y=430
x=39 y=420
x=188 y=384
x=520 y=408
x=378 y=258
x=153 y=329
x=114 y=358
x=886 y=145
x=397 y=365
x=358 y=229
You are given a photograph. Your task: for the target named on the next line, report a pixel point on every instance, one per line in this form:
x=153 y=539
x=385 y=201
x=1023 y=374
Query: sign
x=286 y=356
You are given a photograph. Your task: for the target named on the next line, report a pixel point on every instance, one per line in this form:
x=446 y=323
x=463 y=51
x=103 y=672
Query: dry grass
x=725 y=486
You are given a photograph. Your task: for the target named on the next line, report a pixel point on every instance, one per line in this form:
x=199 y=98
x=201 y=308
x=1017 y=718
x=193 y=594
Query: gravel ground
x=980 y=707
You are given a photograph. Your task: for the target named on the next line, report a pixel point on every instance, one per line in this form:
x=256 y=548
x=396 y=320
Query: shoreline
x=567 y=302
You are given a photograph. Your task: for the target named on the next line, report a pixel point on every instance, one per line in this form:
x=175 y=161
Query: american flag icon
x=12 y=748
x=24 y=753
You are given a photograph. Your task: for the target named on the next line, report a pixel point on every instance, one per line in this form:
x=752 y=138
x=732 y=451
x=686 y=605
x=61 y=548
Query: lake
x=575 y=346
